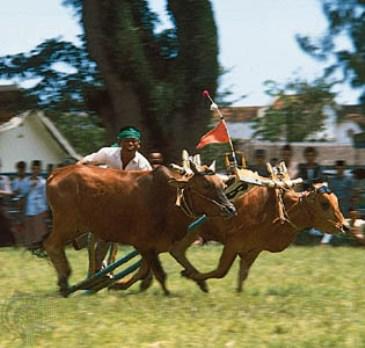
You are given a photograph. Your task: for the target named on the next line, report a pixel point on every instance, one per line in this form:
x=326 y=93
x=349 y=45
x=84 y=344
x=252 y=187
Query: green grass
x=303 y=297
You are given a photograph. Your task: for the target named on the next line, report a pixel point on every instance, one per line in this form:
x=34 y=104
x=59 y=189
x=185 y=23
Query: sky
x=256 y=39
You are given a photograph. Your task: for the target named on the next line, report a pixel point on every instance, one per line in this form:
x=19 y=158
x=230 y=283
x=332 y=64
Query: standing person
x=6 y=233
x=36 y=209
x=341 y=185
x=20 y=186
x=358 y=199
x=155 y=158
x=310 y=170
x=125 y=157
x=259 y=164
x=286 y=153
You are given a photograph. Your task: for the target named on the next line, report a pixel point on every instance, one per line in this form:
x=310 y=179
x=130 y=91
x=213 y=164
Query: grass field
x=303 y=297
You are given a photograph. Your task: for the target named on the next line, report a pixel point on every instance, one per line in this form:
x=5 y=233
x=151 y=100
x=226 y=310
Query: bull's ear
x=180 y=184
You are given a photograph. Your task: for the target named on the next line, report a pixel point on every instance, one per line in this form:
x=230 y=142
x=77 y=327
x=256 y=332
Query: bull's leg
x=101 y=251
x=147 y=280
x=178 y=252
x=112 y=253
x=154 y=261
x=225 y=263
x=55 y=247
x=142 y=273
x=246 y=260
x=91 y=245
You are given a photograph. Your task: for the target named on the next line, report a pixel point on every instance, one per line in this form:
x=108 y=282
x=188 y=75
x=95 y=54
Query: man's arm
x=96 y=158
x=7 y=187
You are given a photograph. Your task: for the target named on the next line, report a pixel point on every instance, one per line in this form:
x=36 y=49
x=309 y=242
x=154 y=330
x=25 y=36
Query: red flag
x=217 y=135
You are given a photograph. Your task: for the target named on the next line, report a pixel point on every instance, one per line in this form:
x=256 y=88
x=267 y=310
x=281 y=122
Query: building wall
x=28 y=142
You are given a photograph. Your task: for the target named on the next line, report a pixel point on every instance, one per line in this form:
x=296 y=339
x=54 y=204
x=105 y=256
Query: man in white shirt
x=125 y=157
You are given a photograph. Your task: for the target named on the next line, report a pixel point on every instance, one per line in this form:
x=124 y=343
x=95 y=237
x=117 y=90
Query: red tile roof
x=240 y=113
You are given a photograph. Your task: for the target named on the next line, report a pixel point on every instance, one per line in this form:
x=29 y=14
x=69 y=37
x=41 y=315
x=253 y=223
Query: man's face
x=260 y=160
x=36 y=170
x=21 y=171
x=130 y=144
x=286 y=155
x=310 y=157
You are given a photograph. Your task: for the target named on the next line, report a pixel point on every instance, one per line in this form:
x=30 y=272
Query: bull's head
x=202 y=192
x=324 y=209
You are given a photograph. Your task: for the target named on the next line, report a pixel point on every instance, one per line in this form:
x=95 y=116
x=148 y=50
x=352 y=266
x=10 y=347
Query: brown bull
x=134 y=208
x=256 y=228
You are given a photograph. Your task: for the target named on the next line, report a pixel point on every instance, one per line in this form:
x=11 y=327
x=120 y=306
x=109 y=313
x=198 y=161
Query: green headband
x=129 y=133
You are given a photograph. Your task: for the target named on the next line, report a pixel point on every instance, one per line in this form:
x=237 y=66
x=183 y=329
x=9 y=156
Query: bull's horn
x=185 y=159
x=181 y=170
x=212 y=166
x=194 y=168
x=197 y=160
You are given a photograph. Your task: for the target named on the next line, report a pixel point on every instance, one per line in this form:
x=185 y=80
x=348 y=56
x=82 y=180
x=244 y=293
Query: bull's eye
x=325 y=205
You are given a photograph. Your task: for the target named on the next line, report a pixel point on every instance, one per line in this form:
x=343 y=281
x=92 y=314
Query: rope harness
x=186 y=204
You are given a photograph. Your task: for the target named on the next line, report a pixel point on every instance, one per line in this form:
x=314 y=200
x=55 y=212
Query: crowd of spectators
x=24 y=206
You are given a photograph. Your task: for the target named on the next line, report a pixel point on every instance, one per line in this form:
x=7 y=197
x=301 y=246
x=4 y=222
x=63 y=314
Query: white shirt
x=110 y=156
x=20 y=185
x=5 y=184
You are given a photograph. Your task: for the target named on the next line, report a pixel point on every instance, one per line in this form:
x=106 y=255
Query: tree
x=297 y=111
x=346 y=19
x=128 y=72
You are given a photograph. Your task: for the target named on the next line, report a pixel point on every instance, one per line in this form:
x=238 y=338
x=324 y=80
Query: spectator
x=155 y=158
x=6 y=233
x=357 y=226
x=341 y=185
x=50 y=168
x=358 y=198
x=259 y=165
x=286 y=153
x=20 y=186
x=36 y=210
x=310 y=170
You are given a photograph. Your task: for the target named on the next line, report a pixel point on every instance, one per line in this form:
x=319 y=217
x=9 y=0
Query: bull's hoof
x=166 y=292
x=64 y=292
x=146 y=283
x=203 y=286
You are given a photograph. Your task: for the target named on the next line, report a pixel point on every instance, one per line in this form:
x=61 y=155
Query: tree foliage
x=297 y=110
x=129 y=71
x=346 y=19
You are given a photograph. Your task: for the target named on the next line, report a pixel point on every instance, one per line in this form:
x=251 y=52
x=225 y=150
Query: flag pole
x=215 y=107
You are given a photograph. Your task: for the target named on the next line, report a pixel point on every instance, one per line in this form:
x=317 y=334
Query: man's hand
x=88 y=163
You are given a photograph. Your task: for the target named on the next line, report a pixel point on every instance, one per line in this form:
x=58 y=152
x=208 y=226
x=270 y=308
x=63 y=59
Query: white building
x=32 y=136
